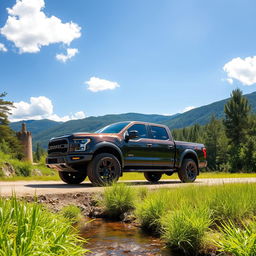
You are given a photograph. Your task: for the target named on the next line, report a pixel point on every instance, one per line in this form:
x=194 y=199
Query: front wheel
x=153 y=177
x=104 y=169
x=188 y=171
x=72 y=177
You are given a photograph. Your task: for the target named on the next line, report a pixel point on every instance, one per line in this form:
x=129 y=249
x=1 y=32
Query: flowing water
x=117 y=238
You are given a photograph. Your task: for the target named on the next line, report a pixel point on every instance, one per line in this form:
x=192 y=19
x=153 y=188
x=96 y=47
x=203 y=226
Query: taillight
x=204 y=151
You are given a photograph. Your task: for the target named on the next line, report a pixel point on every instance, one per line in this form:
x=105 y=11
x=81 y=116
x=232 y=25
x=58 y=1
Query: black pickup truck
x=133 y=146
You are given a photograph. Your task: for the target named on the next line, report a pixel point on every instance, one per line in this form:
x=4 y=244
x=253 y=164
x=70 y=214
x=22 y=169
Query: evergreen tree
x=236 y=121
x=8 y=140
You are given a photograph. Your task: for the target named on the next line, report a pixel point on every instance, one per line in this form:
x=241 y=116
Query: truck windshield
x=113 y=128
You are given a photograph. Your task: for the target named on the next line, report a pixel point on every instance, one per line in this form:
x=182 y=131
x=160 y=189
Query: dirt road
x=30 y=188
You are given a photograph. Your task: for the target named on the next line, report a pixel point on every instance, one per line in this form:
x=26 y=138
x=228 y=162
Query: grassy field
x=191 y=219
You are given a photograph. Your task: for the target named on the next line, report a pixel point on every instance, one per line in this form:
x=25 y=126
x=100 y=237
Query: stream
x=118 y=238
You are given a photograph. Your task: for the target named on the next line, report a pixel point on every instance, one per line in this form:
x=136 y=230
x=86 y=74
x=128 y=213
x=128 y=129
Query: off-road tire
x=188 y=171
x=153 y=177
x=104 y=169
x=72 y=177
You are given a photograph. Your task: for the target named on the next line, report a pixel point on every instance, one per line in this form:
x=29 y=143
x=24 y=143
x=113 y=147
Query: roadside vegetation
x=192 y=220
x=29 y=229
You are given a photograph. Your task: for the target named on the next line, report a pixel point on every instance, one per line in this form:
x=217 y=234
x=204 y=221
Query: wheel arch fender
x=189 y=153
x=108 y=147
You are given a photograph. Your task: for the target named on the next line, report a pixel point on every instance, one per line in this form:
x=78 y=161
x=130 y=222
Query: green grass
x=72 y=213
x=186 y=217
x=27 y=229
x=203 y=175
x=239 y=241
x=184 y=229
x=117 y=200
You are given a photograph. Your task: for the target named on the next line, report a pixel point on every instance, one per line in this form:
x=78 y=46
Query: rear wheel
x=153 y=177
x=188 y=171
x=104 y=169
x=72 y=177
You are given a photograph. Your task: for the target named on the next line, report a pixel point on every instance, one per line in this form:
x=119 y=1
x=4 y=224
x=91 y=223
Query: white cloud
x=71 y=52
x=243 y=70
x=3 y=48
x=186 y=109
x=96 y=84
x=29 y=28
x=40 y=108
x=230 y=80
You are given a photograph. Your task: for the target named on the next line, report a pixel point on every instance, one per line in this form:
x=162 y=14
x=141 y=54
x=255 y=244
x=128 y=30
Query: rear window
x=159 y=133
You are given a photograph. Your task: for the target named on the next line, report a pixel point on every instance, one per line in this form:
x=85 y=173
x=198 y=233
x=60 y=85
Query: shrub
x=118 y=199
x=28 y=229
x=184 y=229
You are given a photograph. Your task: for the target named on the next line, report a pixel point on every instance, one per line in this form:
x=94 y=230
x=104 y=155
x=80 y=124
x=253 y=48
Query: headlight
x=79 y=144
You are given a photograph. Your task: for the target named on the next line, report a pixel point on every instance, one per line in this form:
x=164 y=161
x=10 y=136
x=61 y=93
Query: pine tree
x=5 y=107
x=236 y=121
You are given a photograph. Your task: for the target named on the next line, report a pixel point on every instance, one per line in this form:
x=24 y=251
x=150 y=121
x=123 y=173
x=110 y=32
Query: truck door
x=136 y=151
x=163 y=147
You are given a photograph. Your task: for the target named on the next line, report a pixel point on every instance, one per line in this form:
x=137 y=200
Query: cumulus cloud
x=71 y=52
x=39 y=108
x=96 y=84
x=29 y=28
x=186 y=109
x=243 y=70
x=3 y=48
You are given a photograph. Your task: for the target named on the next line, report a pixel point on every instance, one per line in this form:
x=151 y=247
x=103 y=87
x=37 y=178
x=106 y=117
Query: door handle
x=149 y=145
x=170 y=146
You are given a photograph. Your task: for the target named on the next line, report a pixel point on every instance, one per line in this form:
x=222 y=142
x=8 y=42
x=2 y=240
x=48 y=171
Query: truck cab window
x=159 y=133
x=141 y=129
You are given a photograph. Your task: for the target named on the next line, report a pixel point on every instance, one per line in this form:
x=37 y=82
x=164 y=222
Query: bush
x=28 y=229
x=118 y=199
x=185 y=228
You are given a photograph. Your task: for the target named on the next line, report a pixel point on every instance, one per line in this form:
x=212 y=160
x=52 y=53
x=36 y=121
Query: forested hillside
x=43 y=130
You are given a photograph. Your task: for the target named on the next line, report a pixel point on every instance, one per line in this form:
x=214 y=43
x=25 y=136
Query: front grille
x=55 y=160
x=58 y=146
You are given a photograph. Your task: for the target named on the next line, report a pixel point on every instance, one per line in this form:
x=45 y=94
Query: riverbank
x=189 y=219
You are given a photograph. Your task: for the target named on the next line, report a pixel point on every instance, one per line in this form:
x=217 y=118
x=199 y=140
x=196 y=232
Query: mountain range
x=43 y=130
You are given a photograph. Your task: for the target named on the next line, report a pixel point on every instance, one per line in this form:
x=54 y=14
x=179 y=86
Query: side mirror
x=131 y=135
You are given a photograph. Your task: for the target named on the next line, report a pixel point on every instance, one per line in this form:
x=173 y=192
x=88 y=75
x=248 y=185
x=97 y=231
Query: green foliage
x=238 y=240
x=118 y=199
x=71 y=212
x=184 y=229
x=39 y=153
x=8 y=141
x=28 y=229
x=236 y=122
x=184 y=215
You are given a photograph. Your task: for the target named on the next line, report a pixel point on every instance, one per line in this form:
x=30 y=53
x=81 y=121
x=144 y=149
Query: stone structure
x=26 y=140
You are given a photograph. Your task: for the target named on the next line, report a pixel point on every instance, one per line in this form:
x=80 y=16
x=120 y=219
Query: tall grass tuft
x=151 y=209
x=71 y=212
x=27 y=229
x=184 y=229
x=118 y=199
x=239 y=241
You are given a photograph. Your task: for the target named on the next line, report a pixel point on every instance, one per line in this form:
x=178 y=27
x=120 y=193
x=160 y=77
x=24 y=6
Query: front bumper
x=62 y=163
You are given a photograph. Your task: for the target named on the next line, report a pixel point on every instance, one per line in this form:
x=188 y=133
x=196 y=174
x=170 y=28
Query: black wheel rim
x=72 y=176
x=191 y=171
x=107 y=169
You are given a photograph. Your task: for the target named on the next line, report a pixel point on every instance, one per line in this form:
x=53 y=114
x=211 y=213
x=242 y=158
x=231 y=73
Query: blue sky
x=136 y=56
